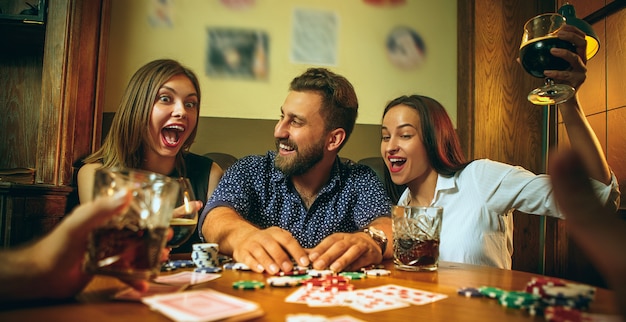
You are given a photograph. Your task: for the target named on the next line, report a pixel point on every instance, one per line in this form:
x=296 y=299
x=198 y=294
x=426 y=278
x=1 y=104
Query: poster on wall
x=405 y=48
x=314 y=37
x=237 y=53
x=160 y=13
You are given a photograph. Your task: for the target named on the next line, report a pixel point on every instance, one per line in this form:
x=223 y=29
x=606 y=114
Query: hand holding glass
x=129 y=245
x=540 y=35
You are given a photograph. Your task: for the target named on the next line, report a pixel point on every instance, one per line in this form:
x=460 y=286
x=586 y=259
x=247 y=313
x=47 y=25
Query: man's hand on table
x=270 y=250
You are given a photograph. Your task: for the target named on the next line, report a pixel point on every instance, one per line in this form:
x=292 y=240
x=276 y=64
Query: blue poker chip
x=208 y=270
x=469 y=292
x=182 y=263
x=237 y=266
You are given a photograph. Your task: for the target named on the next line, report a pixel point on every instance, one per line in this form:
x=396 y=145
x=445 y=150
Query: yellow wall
x=362 y=33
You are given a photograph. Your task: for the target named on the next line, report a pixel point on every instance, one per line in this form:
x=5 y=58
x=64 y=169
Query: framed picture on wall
x=237 y=53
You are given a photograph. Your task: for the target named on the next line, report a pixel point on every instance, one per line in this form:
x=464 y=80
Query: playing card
x=202 y=305
x=368 y=301
x=407 y=294
x=186 y=278
x=344 y=318
x=316 y=297
x=131 y=294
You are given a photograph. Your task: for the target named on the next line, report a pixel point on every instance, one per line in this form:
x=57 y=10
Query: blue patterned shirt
x=262 y=194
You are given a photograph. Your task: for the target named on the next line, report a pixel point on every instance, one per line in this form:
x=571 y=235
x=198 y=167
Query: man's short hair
x=339 y=102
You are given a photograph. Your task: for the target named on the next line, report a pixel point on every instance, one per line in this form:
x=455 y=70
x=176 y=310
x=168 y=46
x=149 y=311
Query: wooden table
x=94 y=303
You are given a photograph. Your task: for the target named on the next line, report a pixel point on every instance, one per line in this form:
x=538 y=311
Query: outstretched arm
x=598 y=231
x=51 y=268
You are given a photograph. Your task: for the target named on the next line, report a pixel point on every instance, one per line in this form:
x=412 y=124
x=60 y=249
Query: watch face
x=377 y=232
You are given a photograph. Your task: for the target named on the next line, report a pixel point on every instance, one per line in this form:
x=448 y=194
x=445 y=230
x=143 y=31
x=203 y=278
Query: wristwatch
x=378 y=236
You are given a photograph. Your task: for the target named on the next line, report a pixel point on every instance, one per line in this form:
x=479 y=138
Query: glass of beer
x=540 y=35
x=416 y=233
x=129 y=245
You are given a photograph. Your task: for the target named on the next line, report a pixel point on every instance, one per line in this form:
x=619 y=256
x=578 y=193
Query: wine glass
x=184 y=219
x=540 y=35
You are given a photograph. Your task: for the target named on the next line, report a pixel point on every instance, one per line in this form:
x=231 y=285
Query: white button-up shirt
x=478 y=204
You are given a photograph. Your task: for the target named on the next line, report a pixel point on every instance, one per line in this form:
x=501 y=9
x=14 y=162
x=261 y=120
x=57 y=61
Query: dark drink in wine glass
x=183 y=229
x=185 y=217
x=536 y=56
x=540 y=35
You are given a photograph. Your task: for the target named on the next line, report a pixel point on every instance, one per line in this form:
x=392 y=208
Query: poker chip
x=166 y=267
x=182 y=263
x=378 y=272
x=353 y=275
x=558 y=300
x=547 y=281
x=320 y=273
x=562 y=314
x=326 y=281
x=518 y=299
x=293 y=272
x=207 y=270
x=237 y=266
x=283 y=281
x=491 y=292
x=569 y=291
x=469 y=292
x=337 y=287
x=248 y=285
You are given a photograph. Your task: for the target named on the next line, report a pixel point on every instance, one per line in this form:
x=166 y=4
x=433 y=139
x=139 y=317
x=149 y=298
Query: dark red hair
x=440 y=140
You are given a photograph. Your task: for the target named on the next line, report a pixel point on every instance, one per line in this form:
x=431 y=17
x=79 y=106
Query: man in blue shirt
x=301 y=202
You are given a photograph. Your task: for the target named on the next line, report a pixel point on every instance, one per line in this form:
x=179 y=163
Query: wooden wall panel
x=616 y=145
x=19 y=102
x=615 y=60
x=495 y=119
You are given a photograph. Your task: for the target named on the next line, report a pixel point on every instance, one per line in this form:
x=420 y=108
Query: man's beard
x=302 y=161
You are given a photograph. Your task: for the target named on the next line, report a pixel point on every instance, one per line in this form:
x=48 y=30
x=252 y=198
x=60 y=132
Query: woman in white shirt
x=422 y=151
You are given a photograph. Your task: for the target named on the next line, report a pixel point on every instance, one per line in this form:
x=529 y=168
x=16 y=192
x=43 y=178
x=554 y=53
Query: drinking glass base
x=425 y=268
x=551 y=94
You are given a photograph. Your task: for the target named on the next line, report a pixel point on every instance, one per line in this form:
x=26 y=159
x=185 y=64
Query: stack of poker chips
x=329 y=283
x=205 y=256
x=557 y=293
x=542 y=296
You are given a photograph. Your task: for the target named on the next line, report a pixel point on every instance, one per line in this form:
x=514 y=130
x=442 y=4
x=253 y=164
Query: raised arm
x=580 y=133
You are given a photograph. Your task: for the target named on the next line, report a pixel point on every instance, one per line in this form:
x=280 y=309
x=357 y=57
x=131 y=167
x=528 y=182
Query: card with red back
x=186 y=278
x=131 y=294
x=203 y=305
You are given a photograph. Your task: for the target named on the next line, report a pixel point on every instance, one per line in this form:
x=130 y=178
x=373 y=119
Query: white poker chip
x=566 y=291
x=237 y=266
x=378 y=272
x=320 y=273
x=283 y=281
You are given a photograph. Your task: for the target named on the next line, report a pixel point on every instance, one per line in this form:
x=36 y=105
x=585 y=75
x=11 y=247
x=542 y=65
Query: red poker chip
x=562 y=314
x=547 y=281
x=326 y=281
x=337 y=287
